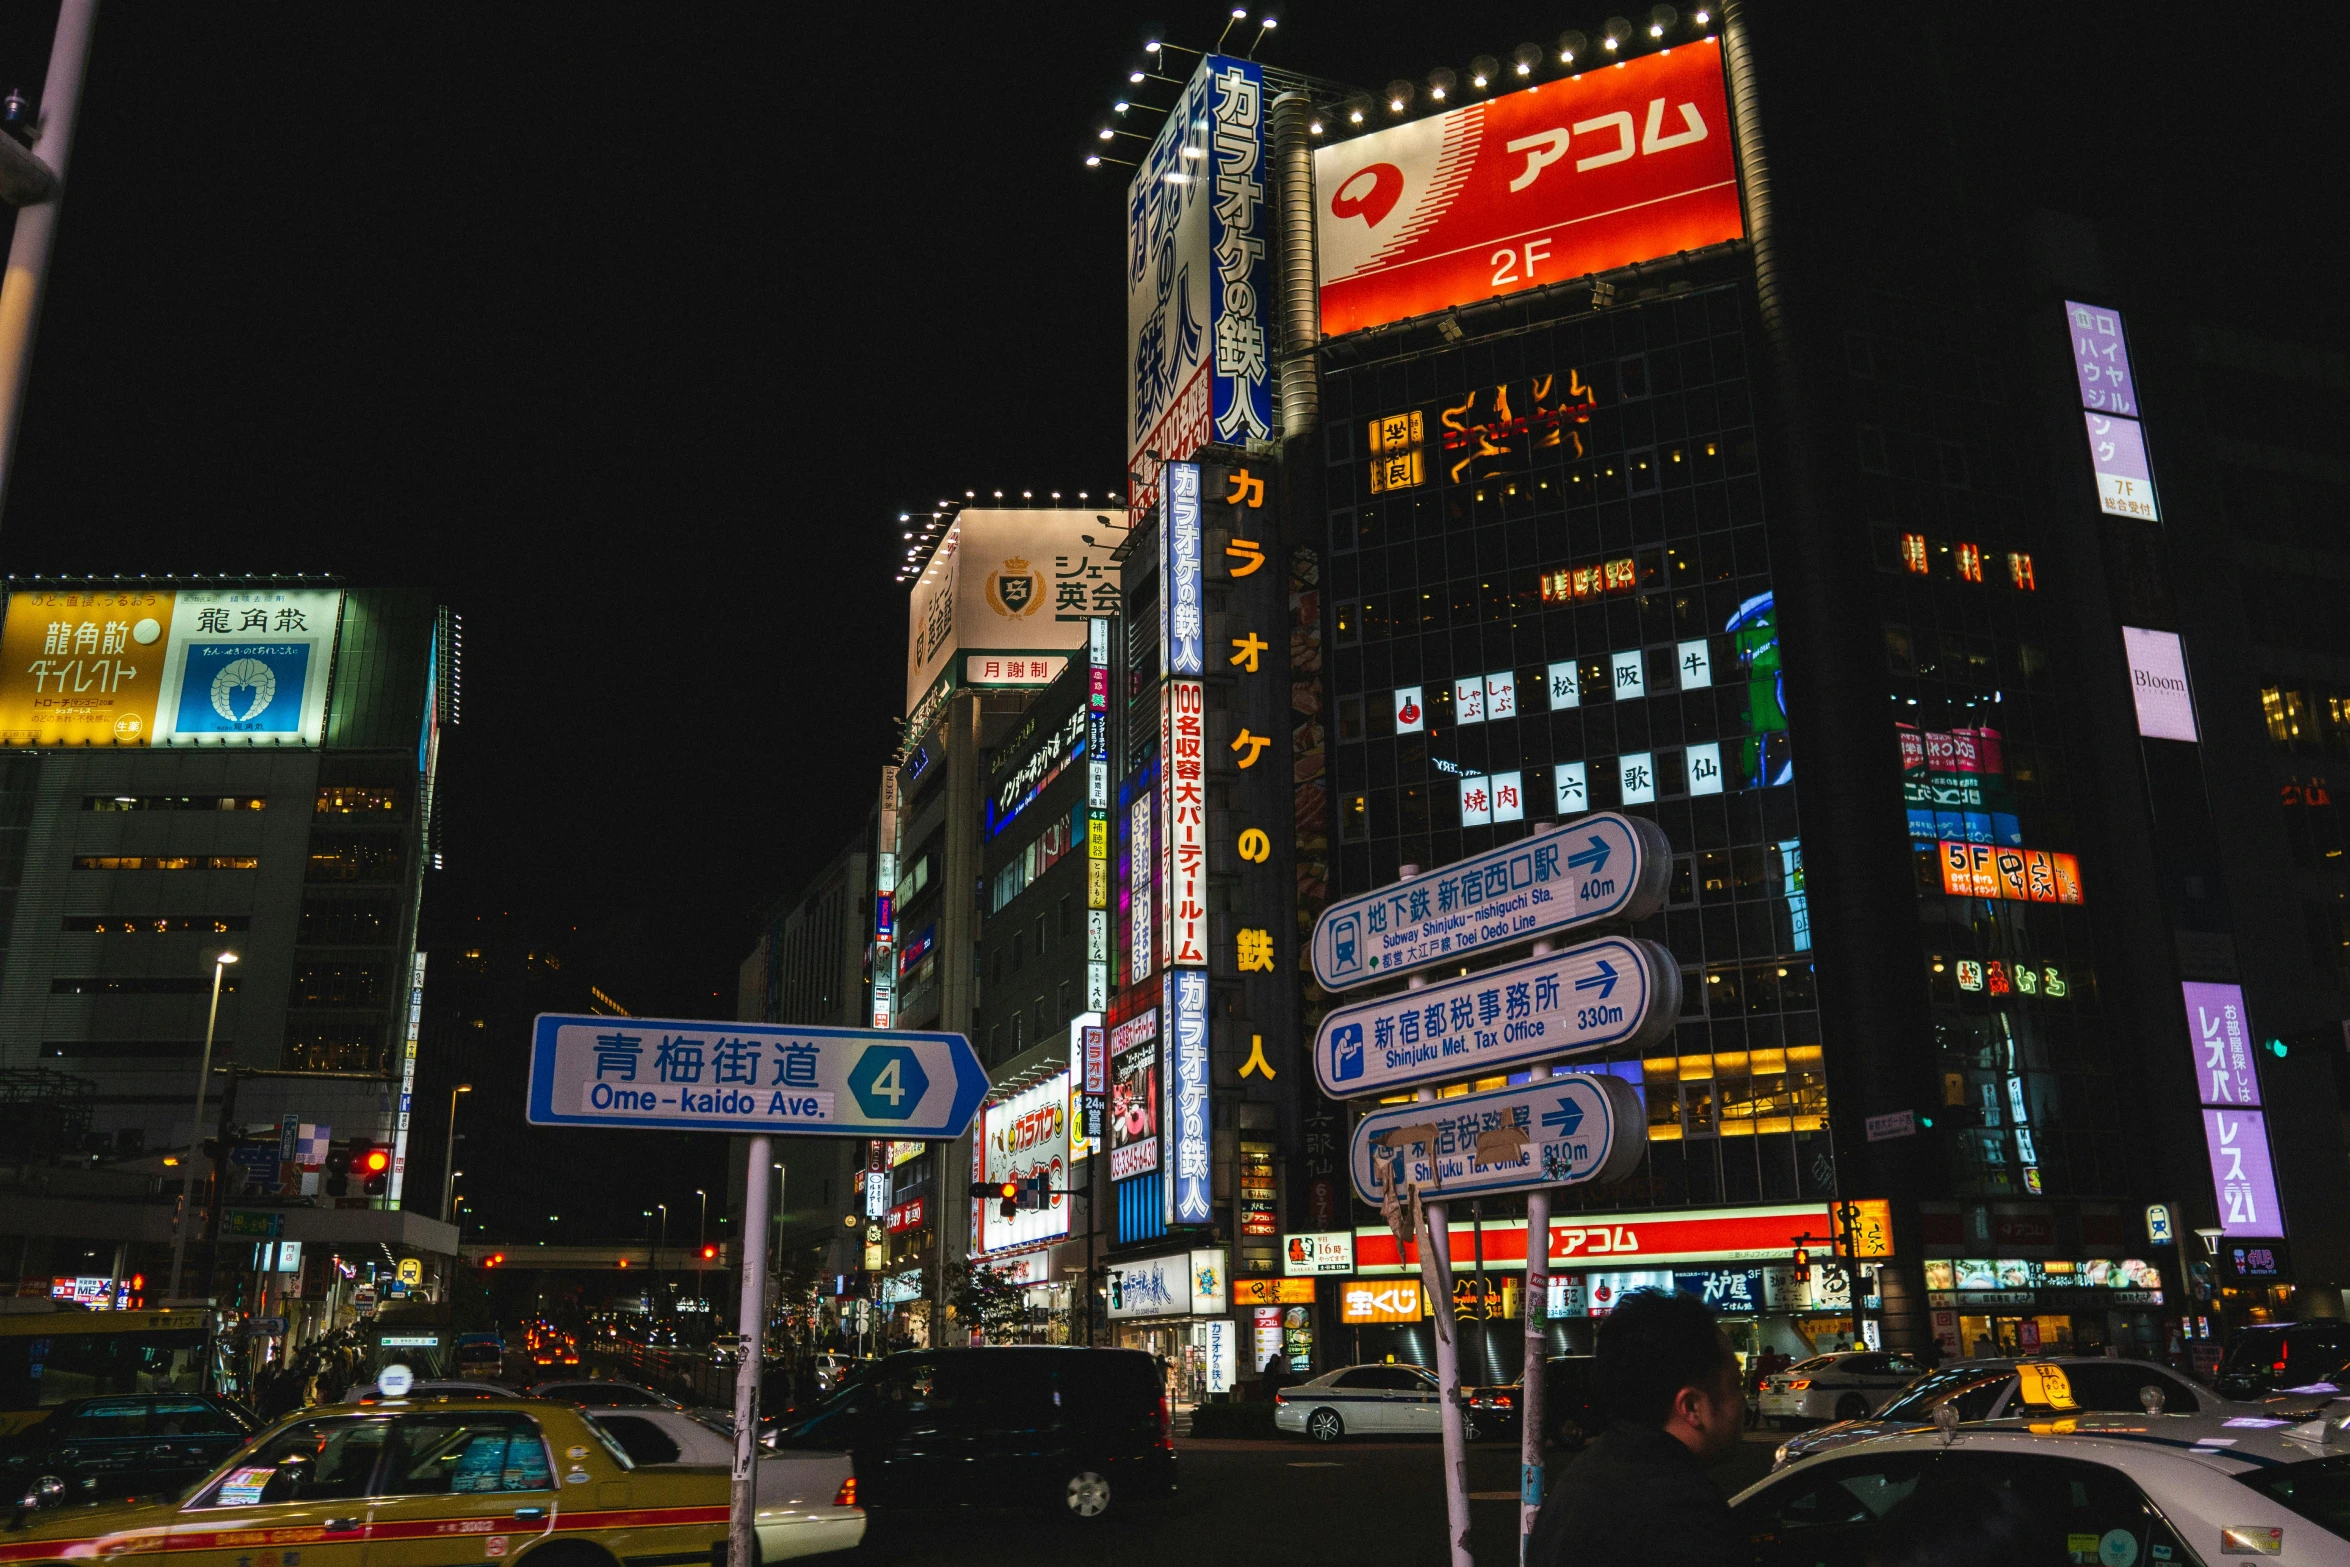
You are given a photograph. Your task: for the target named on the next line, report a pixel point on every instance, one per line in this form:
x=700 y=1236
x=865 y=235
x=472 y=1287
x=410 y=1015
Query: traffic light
x=1011 y=1192
x=1803 y=1264
x=372 y=1164
x=709 y=1253
x=337 y=1168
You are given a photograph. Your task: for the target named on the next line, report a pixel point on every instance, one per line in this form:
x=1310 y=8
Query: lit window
x=1913 y=553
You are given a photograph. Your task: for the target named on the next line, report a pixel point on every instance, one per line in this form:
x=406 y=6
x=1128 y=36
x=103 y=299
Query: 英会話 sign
x=1573 y=1128
x=1595 y=867
x=666 y=1074
x=1614 y=991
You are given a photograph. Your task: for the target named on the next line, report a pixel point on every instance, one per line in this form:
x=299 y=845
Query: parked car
x=2097 y=1488
x=806 y=1500
x=1568 y=1414
x=98 y=1449
x=2272 y=1355
x=1074 y=1430
x=1978 y=1390
x=1378 y=1399
x=1843 y=1386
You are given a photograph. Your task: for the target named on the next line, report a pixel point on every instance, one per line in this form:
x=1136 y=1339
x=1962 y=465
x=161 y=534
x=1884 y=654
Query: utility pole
x=35 y=185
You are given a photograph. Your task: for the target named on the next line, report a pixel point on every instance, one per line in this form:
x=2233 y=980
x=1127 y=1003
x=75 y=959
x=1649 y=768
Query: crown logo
x=1017 y=566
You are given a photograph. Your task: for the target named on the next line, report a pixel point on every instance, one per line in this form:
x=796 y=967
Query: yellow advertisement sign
x=1379 y=1300
x=187 y=666
x=1272 y=1292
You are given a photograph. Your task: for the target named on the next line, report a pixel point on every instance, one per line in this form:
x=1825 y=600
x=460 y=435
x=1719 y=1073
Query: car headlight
x=1780 y=1456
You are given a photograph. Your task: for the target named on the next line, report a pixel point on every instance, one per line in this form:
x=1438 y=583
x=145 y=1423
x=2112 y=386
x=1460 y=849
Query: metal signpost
x=1593 y=868
x=665 y=1074
x=1557 y=1129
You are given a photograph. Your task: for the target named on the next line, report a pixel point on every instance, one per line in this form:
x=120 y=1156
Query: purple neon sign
x=2101 y=359
x=2241 y=1176
x=2224 y=1069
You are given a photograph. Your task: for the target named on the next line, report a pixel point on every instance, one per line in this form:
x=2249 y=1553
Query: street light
x=179 y=1235
x=449 y=1153
x=701 y=1244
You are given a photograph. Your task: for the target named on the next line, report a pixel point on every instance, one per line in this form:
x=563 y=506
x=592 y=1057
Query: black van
x=1015 y=1425
x=2272 y=1355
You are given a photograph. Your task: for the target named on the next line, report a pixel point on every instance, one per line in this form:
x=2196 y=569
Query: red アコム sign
x=1623 y=163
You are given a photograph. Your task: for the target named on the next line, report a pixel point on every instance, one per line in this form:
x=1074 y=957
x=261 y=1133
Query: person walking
x=1666 y=1379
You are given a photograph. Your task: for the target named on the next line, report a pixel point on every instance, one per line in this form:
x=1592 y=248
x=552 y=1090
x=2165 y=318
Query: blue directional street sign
x=1595 y=867
x=672 y=1075
x=1576 y=1127
x=1614 y=991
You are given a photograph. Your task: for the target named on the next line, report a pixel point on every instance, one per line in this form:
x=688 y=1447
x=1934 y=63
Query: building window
x=2284 y=712
x=174 y=802
x=354 y=859
x=1067 y=1011
x=337 y=1050
x=357 y=800
x=1068 y=917
x=166 y=862
x=1019 y=949
x=139 y=985
x=153 y=924
x=363 y=925
x=338 y=984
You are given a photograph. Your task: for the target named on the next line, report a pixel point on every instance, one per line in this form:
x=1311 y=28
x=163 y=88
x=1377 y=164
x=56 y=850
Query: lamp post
x=701 y=1244
x=179 y=1232
x=449 y=1155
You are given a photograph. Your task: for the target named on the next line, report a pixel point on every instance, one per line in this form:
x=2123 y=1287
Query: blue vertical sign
x=1191 y=1193
x=1237 y=223
x=1180 y=648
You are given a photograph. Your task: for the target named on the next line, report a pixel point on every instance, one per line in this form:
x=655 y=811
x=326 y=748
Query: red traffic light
x=1011 y=1190
x=708 y=1252
x=378 y=1160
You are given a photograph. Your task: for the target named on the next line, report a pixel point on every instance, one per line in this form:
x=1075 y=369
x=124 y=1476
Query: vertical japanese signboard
x=2109 y=412
x=1097 y=824
x=1183 y=814
x=2235 y=1129
x=1190 y=1184
x=1198 y=287
x=885 y=897
x=407 y=1082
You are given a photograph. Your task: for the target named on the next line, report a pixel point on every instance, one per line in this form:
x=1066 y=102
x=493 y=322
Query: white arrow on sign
x=1595 y=867
x=1614 y=991
x=1576 y=1127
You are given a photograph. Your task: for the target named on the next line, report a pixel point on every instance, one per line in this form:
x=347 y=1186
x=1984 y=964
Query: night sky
x=629 y=330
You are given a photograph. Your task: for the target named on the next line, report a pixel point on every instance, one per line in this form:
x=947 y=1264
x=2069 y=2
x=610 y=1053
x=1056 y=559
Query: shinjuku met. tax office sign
x=680 y=1075
x=1596 y=867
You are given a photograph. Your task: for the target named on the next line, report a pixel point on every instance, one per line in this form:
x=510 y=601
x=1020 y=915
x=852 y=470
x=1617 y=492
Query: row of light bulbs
x=1616 y=35
x=919 y=530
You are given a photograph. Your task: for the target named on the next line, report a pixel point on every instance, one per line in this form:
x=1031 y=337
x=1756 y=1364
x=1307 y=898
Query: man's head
x=1663 y=1362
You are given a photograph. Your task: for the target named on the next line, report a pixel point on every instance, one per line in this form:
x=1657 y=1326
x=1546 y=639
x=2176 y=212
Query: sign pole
x=742 y=1539
x=1436 y=1241
x=1533 y=1391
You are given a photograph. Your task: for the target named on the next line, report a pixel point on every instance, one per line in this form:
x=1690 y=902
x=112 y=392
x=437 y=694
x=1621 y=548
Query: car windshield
x=1816 y=1363
x=1973 y=1389
x=2318 y=1490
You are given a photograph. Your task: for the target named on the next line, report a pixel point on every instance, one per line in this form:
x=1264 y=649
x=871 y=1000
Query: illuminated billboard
x=1199 y=292
x=1026 y=1135
x=1597 y=171
x=188 y=666
x=2158 y=684
x=1134 y=1096
x=1015 y=585
x=2235 y=1130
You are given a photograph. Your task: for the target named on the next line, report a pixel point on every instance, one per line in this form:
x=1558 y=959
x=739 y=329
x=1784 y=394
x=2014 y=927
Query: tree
x=990 y=1298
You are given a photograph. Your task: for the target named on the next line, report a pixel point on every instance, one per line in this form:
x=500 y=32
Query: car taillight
x=1280 y=1398
x=846 y=1496
x=1503 y=1399
x=1799 y=1384
x=1166 y=1439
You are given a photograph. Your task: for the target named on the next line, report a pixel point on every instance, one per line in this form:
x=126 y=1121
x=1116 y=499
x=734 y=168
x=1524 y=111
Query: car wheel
x=1087 y=1494
x=1323 y=1425
x=1852 y=1407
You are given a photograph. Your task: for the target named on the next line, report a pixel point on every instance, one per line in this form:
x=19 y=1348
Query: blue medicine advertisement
x=243 y=688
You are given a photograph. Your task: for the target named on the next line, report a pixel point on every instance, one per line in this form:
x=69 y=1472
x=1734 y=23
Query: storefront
x=1176 y=1308
x=2021 y=1306
x=1738 y=1260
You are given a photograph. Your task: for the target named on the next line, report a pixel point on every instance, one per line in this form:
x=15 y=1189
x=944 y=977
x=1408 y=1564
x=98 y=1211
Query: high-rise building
x=199 y=767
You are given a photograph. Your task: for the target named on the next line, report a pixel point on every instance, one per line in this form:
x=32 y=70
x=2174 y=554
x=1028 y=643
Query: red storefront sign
x=1717 y=1234
x=906 y=1216
x=1619 y=164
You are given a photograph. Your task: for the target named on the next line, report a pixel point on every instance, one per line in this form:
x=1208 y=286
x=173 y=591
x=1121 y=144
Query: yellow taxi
x=411 y=1483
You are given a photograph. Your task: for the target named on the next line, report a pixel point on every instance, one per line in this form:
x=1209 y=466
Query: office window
x=166 y=862
x=139 y=985
x=174 y=802
x=339 y=984
x=1068 y=917
x=357 y=800
x=153 y=924
x=354 y=859
x=361 y=925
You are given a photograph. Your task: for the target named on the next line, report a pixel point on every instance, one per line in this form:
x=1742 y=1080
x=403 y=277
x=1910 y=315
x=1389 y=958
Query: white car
x=1847 y=1385
x=1362 y=1401
x=2114 y=1489
x=806 y=1499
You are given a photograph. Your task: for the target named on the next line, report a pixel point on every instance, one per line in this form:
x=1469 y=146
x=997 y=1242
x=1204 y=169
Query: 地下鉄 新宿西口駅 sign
x=1595 y=867
x=683 y=1075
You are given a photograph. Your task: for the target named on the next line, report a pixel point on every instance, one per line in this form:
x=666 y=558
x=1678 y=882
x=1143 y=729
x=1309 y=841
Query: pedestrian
x=1666 y=1379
